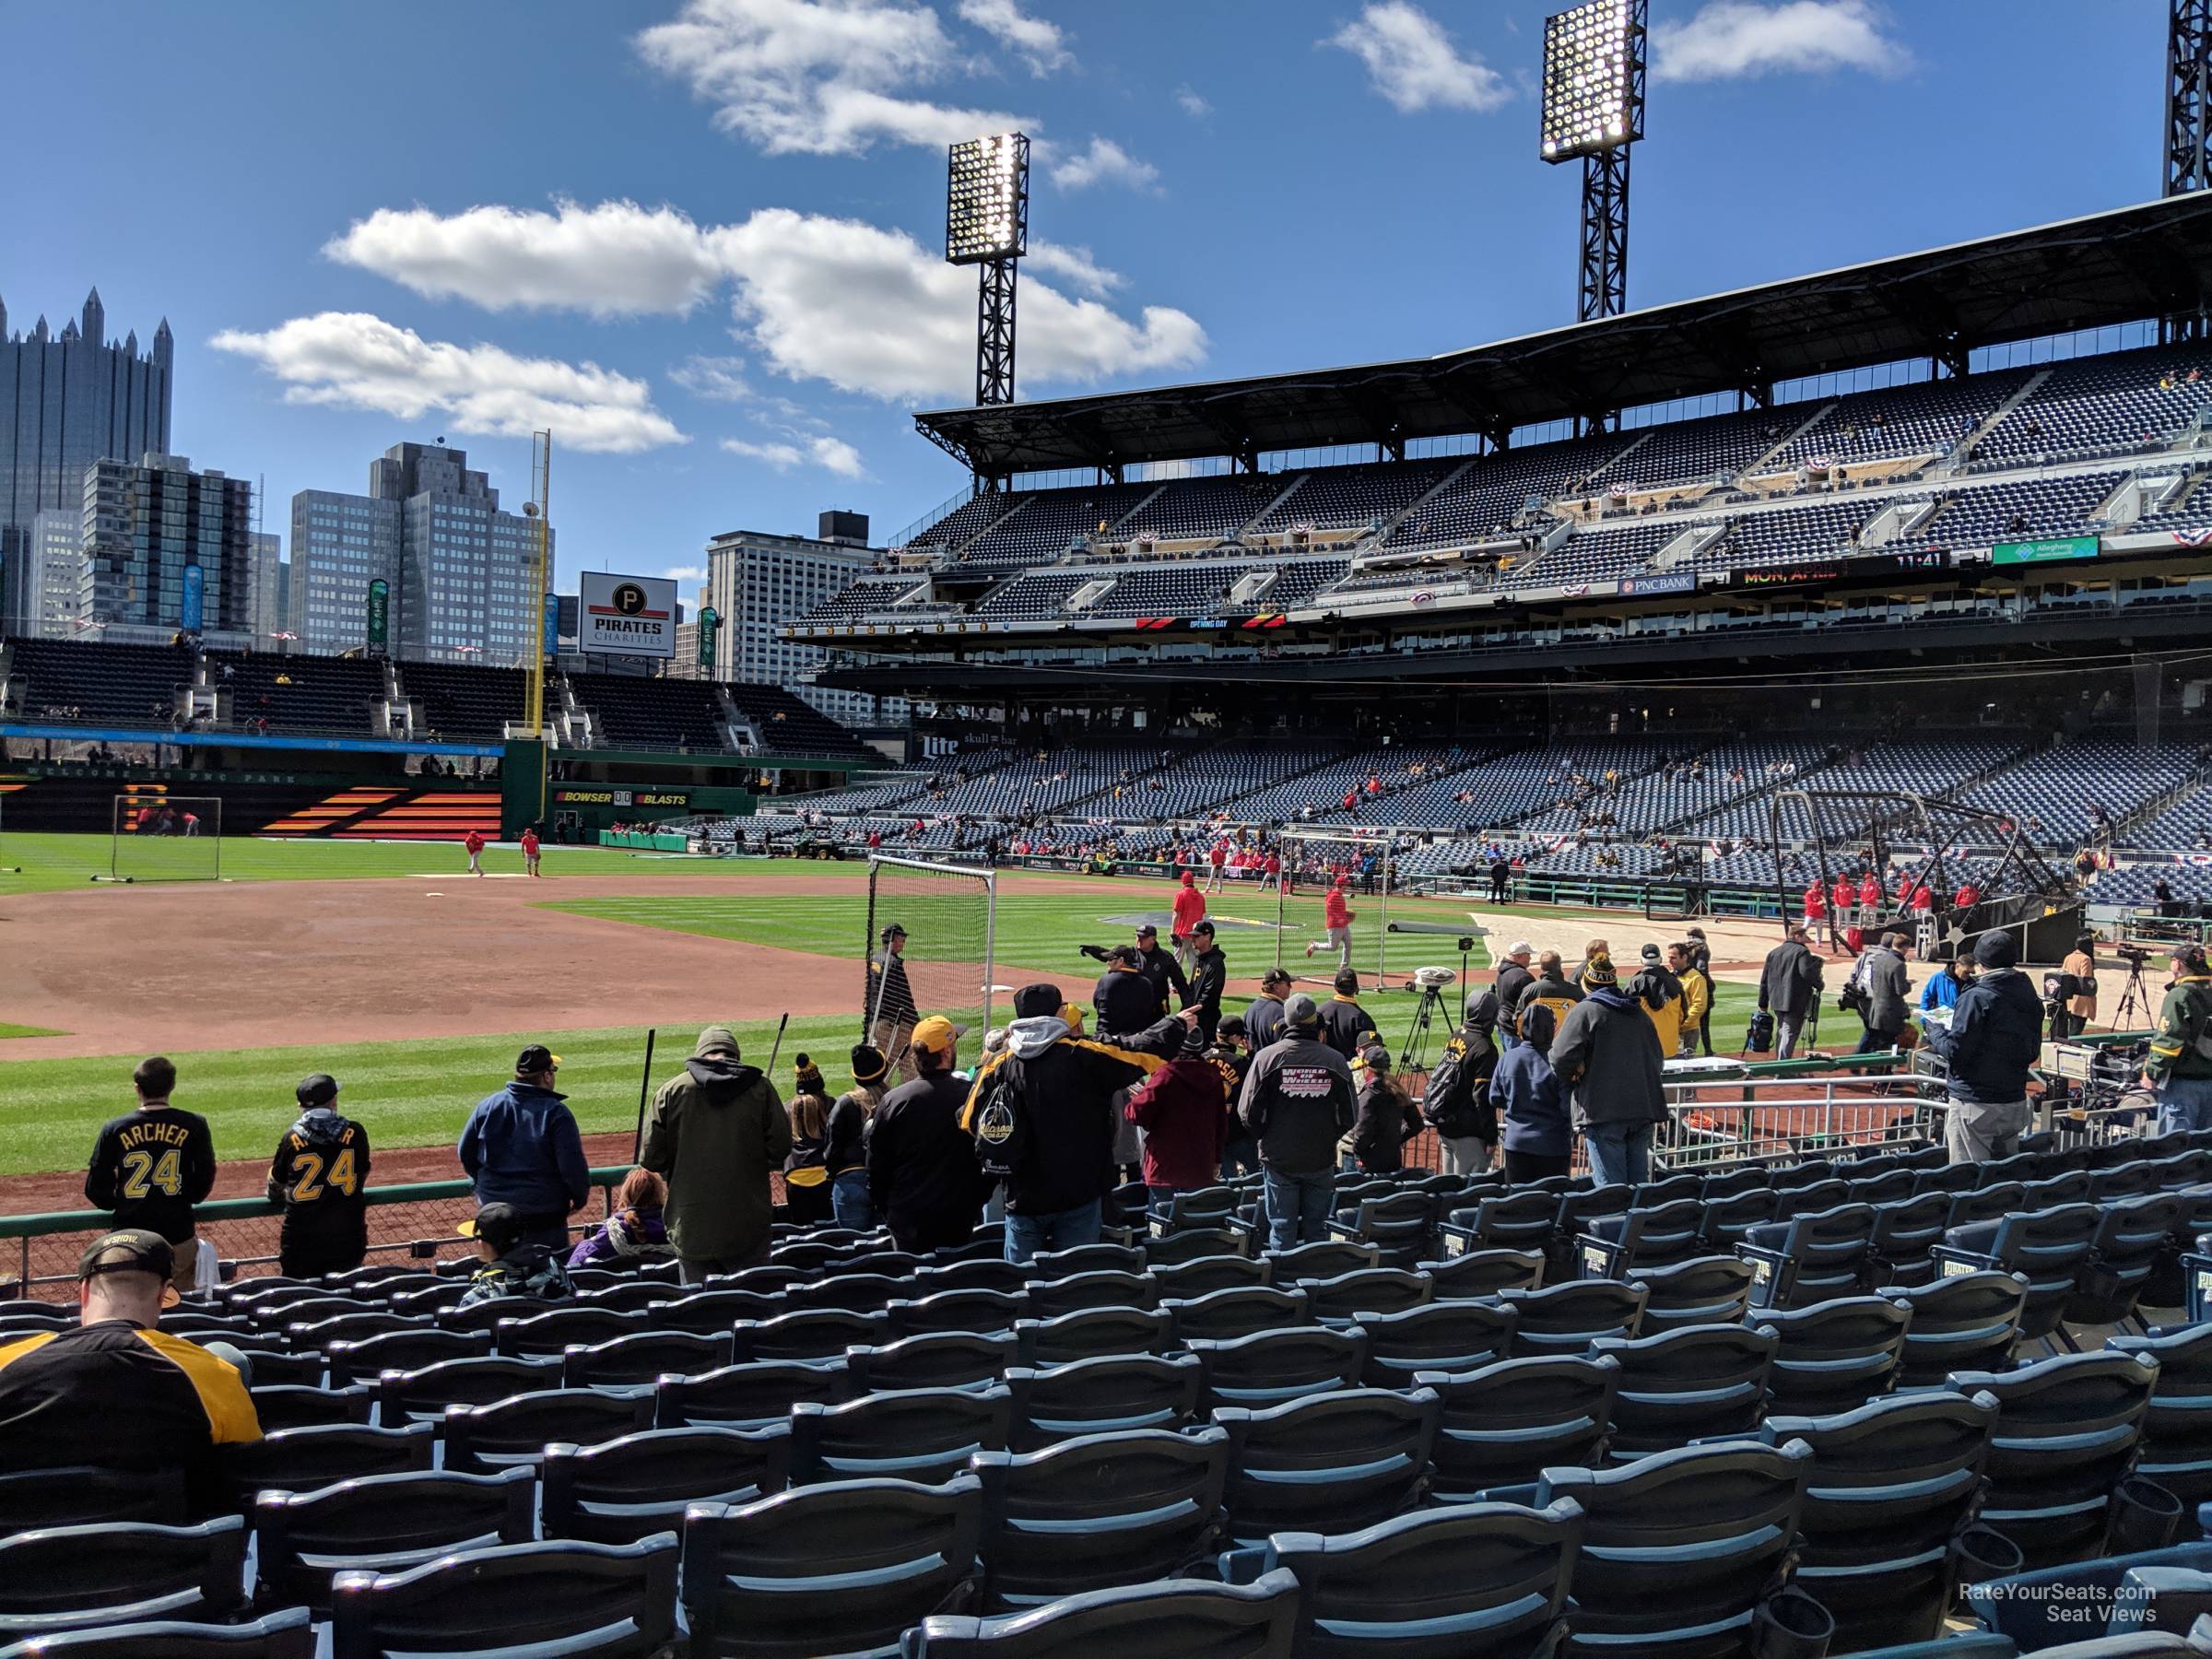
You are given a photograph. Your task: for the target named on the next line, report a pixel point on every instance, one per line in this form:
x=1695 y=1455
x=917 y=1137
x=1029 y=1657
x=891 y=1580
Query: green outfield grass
x=51 y=862
x=8 y=1031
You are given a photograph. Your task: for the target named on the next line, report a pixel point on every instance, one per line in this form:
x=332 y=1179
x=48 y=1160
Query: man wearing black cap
x=1263 y=1017
x=1298 y=1100
x=150 y=1166
x=521 y=1147
x=1209 y=978
x=514 y=1264
x=1125 y=998
x=891 y=1011
x=321 y=1176
x=1165 y=972
x=117 y=1393
x=1994 y=1036
x=1345 y=1025
x=1044 y=1115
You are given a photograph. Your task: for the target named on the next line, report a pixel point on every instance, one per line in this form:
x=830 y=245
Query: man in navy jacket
x=521 y=1146
x=1995 y=1035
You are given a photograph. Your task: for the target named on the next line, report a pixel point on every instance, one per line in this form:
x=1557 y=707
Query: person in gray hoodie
x=1607 y=1054
x=1298 y=1100
x=1882 y=984
x=714 y=1133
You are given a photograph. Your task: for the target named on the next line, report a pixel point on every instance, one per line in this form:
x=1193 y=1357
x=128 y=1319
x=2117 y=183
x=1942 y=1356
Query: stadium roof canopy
x=2134 y=263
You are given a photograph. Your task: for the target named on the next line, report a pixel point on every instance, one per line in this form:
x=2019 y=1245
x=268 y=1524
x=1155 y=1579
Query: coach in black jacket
x=1789 y=986
x=1209 y=978
x=1125 y=998
x=1165 y=972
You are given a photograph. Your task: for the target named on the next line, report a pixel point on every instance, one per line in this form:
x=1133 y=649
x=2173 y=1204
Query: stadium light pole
x=2188 y=96
x=987 y=225
x=1593 y=112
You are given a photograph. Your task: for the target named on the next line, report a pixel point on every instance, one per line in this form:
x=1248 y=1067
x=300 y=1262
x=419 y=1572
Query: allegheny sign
x=2047 y=551
x=380 y=612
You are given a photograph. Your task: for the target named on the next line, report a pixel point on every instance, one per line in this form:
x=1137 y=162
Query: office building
x=458 y=570
x=52 y=565
x=165 y=549
x=67 y=400
x=759 y=582
x=272 y=577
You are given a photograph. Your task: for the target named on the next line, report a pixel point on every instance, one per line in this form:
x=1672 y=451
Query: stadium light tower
x=2188 y=106
x=987 y=225
x=1594 y=60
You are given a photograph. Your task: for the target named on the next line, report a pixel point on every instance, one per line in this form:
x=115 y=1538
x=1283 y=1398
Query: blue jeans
x=1063 y=1229
x=1297 y=1207
x=2184 y=1103
x=1621 y=1154
x=849 y=1200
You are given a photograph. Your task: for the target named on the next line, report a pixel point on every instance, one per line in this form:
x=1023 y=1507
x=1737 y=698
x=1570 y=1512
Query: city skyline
x=724 y=292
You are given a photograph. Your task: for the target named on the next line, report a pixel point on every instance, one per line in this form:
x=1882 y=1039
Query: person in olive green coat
x=714 y=1133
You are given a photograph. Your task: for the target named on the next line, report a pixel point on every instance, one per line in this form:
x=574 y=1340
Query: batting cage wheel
x=156 y=836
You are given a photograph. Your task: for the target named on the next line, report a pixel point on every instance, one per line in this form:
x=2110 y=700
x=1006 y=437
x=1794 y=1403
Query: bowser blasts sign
x=626 y=615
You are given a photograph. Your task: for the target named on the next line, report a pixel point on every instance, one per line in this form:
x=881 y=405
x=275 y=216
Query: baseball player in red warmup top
x=473 y=842
x=530 y=852
x=1336 y=916
x=1189 y=909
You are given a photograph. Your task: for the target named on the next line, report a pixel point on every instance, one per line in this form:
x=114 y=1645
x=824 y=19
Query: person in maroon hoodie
x=1184 y=1110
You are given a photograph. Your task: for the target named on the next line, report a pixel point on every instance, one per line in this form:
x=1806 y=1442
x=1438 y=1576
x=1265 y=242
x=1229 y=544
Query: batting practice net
x=166 y=838
x=943 y=919
x=1311 y=859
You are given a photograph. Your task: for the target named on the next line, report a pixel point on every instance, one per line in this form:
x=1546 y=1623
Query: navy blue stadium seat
x=1810 y=1257
x=919 y=1434
x=424 y=1394
x=632 y=1487
x=1698 y=1382
x=72 y=1578
x=79 y=1495
x=1112 y=1394
x=295 y=1459
x=1202 y=1276
x=1441 y=1336
x=1835 y=1356
x=1172 y=1618
x=2049 y=1248
x=516 y=1430
x=1226 y=1313
x=1506 y=1423
x=381 y=1524
x=401 y=1350
x=296 y=1406
x=1476 y=1273
x=2177 y=1430
x=1344 y=1459
x=286 y=1635
x=1341 y=1300
x=815 y=1334
x=1090 y=1332
x=1706 y=1290
x=1096 y=1287
x=1967 y=1323
x=983 y=1313
x=756 y=1395
x=642 y=1359
x=553 y=1600
x=939 y=1359
x=2047 y=1606
x=1567 y=1318
x=1270 y=1367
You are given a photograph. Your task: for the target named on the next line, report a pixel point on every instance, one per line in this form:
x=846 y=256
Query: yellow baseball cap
x=936 y=1035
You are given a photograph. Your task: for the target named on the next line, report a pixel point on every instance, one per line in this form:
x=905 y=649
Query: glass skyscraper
x=67 y=400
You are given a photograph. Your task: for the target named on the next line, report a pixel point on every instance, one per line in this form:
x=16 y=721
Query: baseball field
x=412 y=982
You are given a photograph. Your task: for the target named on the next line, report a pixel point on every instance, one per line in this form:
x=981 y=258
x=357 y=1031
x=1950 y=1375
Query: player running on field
x=530 y=852
x=1337 y=916
x=473 y=842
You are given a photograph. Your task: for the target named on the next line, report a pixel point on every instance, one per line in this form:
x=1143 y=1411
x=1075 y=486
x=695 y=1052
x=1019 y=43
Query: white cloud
x=1105 y=163
x=1040 y=43
x=1195 y=107
x=614 y=259
x=719 y=378
x=354 y=360
x=1079 y=265
x=816 y=76
x=1728 y=39
x=1412 y=62
x=684 y=573
x=831 y=455
x=870 y=310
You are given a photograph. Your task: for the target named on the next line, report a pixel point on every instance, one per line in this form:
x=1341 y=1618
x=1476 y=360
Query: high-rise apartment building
x=165 y=549
x=52 y=568
x=67 y=400
x=758 y=581
x=458 y=570
x=271 y=578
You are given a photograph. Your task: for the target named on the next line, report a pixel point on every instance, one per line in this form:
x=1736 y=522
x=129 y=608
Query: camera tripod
x=1413 y=1056
x=2134 y=998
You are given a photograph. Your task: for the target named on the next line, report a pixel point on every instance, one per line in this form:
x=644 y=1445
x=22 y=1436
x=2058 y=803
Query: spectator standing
x=1457 y=1100
x=1045 y=1117
x=1209 y=978
x=1298 y=1100
x=1532 y=1110
x=923 y=1180
x=1878 y=988
x=2179 y=1067
x=1336 y=919
x=1345 y=1025
x=1190 y=908
x=845 y=1157
x=521 y=1148
x=118 y=1394
x=1551 y=987
x=2082 y=1007
x=321 y=1176
x=1232 y=1048
x=1942 y=990
x=515 y=1265
x=714 y=1131
x=1384 y=1115
x=1993 y=1038
x=891 y=1002
x=1661 y=994
x=1789 y=987
x=150 y=1166
x=1161 y=968
x=637 y=1230
x=1514 y=977
x=1696 y=999
x=1591 y=952
x=807 y=1198
x=1607 y=1054
x=1264 y=1017
x=1184 y=1110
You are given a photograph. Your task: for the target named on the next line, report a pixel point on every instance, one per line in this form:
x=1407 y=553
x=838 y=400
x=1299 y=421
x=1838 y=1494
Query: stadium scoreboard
x=987 y=200
x=1592 y=100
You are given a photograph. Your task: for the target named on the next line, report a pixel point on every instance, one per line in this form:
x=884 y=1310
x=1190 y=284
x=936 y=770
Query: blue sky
x=700 y=238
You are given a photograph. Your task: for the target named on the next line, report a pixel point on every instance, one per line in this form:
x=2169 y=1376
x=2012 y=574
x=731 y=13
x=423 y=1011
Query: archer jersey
x=117 y=1395
x=321 y=1176
x=150 y=1167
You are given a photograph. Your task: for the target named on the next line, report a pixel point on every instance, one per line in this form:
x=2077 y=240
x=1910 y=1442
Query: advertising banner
x=626 y=615
x=1669 y=581
x=380 y=612
x=2047 y=551
x=195 y=589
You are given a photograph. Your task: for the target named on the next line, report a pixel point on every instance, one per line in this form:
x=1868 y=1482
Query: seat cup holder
x=1791 y=1625
x=2144 y=1515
